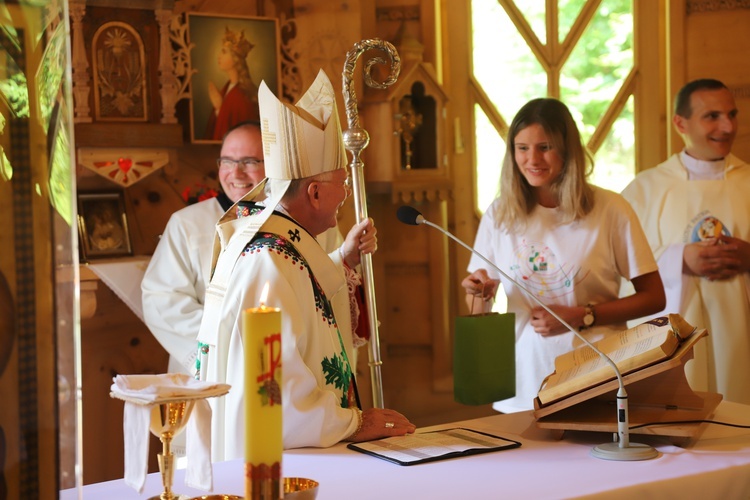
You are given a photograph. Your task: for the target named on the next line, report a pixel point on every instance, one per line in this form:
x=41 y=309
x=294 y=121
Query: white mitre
x=298 y=141
x=302 y=140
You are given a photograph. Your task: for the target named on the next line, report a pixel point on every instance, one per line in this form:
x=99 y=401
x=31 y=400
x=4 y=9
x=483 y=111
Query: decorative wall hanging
x=415 y=159
x=103 y=225
x=120 y=73
x=123 y=166
x=174 y=62
x=79 y=63
x=229 y=58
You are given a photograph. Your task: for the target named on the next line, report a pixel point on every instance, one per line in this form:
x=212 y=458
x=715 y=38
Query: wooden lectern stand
x=656 y=393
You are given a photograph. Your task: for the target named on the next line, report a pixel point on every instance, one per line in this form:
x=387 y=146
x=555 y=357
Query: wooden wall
x=710 y=41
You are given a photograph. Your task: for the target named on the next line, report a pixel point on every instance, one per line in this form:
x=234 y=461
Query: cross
x=294 y=235
x=268 y=137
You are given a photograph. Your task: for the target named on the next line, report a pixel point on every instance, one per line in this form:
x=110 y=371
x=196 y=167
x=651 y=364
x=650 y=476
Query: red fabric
x=235 y=108
x=363 y=324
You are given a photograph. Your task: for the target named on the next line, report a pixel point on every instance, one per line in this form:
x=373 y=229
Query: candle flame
x=264 y=295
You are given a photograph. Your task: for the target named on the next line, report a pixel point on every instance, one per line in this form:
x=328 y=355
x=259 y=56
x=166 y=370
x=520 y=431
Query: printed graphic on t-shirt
x=537 y=268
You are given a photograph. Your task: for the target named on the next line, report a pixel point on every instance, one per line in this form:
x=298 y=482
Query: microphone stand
x=623 y=449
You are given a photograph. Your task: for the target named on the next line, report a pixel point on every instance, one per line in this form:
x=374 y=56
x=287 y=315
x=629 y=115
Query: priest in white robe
x=307 y=183
x=174 y=284
x=694 y=209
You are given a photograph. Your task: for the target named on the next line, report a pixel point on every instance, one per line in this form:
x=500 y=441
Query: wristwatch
x=588 y=317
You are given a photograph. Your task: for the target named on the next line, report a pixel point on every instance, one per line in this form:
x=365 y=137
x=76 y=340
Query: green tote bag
x=484 y=358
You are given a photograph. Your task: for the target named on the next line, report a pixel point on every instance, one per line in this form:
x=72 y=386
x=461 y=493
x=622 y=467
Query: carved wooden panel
x=120 y=73
x=111 y=47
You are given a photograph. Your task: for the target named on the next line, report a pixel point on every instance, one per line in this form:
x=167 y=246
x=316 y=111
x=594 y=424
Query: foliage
x=336 y=373
x=600 y=62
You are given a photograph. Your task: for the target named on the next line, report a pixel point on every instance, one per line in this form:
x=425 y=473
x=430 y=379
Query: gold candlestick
x=409 y=122
x=167 y=420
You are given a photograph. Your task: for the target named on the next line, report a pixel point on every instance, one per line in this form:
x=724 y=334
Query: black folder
x=425 y=447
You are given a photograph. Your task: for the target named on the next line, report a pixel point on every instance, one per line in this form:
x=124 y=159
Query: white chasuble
x=674 y=212
x=310 y=289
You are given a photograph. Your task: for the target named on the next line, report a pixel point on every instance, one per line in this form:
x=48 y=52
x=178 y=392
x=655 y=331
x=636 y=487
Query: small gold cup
x=218 y=497
x=296 y=488
x=300 y=488
x=168 y=420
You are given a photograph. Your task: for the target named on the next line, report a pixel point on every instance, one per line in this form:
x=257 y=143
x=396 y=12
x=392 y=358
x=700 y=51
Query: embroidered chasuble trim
x=337 y=371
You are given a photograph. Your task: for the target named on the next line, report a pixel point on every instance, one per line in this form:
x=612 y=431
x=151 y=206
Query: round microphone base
x=636 y=451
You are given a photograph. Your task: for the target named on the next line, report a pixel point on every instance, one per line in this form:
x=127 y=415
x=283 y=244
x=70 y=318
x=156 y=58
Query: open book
x=631 y=349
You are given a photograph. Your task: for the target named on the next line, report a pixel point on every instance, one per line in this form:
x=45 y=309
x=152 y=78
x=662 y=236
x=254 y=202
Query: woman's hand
x=479 y=284
x=380 y=423
x=547 y=325
x=362 y=238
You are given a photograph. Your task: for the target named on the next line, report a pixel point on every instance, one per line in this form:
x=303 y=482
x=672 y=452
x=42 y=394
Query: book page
x=647 y=350
x=611 y=343
x=427 y=446
x=630 y=350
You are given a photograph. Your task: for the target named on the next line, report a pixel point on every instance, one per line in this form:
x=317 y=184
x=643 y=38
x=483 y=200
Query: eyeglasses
x=243 y=163
x=347 y=183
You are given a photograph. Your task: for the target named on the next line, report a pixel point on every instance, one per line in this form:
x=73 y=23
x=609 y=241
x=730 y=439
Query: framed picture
x=103 y=225
x=229 y=58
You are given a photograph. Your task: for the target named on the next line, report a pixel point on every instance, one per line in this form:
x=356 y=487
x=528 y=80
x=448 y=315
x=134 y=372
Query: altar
x=715 y=464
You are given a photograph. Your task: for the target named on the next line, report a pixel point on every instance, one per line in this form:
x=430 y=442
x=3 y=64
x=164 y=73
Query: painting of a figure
x=230 y=57
x=103 y=226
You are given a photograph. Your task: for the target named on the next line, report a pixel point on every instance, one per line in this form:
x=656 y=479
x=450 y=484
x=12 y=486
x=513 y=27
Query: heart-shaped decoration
x=124 y=164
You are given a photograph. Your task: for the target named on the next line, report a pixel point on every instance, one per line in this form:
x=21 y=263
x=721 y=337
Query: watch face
x=588 y=320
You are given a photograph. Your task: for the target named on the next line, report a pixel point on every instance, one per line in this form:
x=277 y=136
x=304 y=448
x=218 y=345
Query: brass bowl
x=300 y=488
x=217 y=497
x=296 y=488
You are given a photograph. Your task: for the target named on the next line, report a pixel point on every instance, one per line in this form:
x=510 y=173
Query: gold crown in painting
x=237 y=41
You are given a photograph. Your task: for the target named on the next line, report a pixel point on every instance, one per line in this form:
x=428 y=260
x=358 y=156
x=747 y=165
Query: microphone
x=623 y=449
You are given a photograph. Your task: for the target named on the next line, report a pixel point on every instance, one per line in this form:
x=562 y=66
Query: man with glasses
x=174 y=284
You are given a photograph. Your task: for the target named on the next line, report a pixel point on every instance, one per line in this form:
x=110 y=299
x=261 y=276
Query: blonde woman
x=567 y=241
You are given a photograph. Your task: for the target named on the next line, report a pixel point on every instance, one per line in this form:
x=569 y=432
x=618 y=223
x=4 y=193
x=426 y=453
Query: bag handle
x=473 y=298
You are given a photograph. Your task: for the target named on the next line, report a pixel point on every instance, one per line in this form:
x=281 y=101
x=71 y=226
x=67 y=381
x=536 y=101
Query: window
x=579 y=51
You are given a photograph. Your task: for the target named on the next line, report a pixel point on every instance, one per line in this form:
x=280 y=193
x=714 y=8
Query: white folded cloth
x=140 y=393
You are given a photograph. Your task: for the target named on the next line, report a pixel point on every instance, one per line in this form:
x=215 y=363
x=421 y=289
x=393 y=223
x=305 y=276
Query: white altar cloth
x=124 y=277
x=716 y=465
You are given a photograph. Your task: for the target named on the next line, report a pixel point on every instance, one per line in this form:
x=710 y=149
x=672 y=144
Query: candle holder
x=168 y=419
x=300 y=488
x=295 y=488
